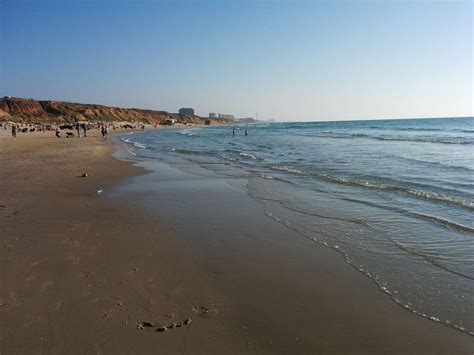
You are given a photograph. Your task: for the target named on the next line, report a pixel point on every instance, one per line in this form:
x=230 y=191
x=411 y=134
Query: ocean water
x=394 y=197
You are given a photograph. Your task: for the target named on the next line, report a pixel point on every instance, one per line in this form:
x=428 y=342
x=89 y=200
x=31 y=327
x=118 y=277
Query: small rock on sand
x=161 y=329
x=84 y=175
x=187 y=321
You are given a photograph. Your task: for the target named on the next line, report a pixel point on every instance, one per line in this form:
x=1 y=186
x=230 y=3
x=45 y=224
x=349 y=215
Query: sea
x=395 y=198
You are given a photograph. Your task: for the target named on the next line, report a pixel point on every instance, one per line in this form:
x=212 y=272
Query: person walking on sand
x=104 y=130
x=14 y=131
x=84 y=129
x=78 y=129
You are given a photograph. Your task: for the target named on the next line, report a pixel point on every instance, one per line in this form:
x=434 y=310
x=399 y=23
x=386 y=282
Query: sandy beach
x=98 y=264
x=78 y=272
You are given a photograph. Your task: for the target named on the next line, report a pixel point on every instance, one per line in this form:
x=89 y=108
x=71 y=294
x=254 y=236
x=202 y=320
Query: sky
x=288 y=60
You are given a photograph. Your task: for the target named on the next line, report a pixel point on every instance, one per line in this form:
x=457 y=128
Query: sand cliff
x=29 y=110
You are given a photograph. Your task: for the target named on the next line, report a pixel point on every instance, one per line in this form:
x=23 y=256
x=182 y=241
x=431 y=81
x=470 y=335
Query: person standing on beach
x=78 y=128
x=104 y=130
x=14 y=130
x=84 y=129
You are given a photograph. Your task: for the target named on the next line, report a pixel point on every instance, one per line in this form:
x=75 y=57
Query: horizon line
x=261 y=120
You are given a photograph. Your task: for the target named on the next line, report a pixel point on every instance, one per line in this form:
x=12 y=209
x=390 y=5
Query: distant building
x=186 y=111
x=213 y=115
x=225 y=116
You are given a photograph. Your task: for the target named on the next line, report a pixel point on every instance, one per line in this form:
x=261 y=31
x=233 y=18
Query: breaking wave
x=420 y=139
x=371 y=185
x=134 y=144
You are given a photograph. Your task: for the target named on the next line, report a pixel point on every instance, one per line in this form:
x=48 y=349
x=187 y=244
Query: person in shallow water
x=233 y=132
x=246 y=133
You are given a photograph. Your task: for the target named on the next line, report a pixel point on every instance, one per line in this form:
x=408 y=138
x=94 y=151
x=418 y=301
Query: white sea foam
x=134 y=144
x=248 y=155
x=290 y=170
x=189 y=131
x=139 y=145
x=368 y=184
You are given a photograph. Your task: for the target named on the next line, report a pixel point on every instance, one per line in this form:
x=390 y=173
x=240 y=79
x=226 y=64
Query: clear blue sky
x=290 y=60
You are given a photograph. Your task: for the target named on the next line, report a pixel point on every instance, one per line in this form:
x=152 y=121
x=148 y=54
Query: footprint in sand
x=73 y=259
x=109 y=313
x=143 y=325
x=204 y=311
x=162 y=328
x=44 y=286
x=38 y=262
x=132 y=270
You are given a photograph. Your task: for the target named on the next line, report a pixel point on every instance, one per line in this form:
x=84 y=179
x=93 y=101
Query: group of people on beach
x=16 y=127
x=102 y=127
x=79 y=127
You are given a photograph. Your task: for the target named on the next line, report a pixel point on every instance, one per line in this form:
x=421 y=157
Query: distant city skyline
x=287 y=60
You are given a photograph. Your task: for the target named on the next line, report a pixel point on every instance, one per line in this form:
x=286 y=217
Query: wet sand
x=80 y=270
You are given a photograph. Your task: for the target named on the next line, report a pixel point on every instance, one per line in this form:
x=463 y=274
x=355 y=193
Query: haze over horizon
x=288 y=60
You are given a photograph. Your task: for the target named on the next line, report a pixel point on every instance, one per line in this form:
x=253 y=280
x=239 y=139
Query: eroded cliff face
x=21 y=107
x=29 y=110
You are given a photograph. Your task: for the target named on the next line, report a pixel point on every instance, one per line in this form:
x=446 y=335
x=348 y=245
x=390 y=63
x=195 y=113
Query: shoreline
x=80 y=270
x=178 y=179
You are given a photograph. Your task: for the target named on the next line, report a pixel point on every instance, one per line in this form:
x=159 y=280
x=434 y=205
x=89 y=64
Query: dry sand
x=79 y=272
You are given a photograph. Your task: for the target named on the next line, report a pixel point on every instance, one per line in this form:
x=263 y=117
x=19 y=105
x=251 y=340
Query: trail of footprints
x=202 y=311
x=8 y=212
x=162 y=328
